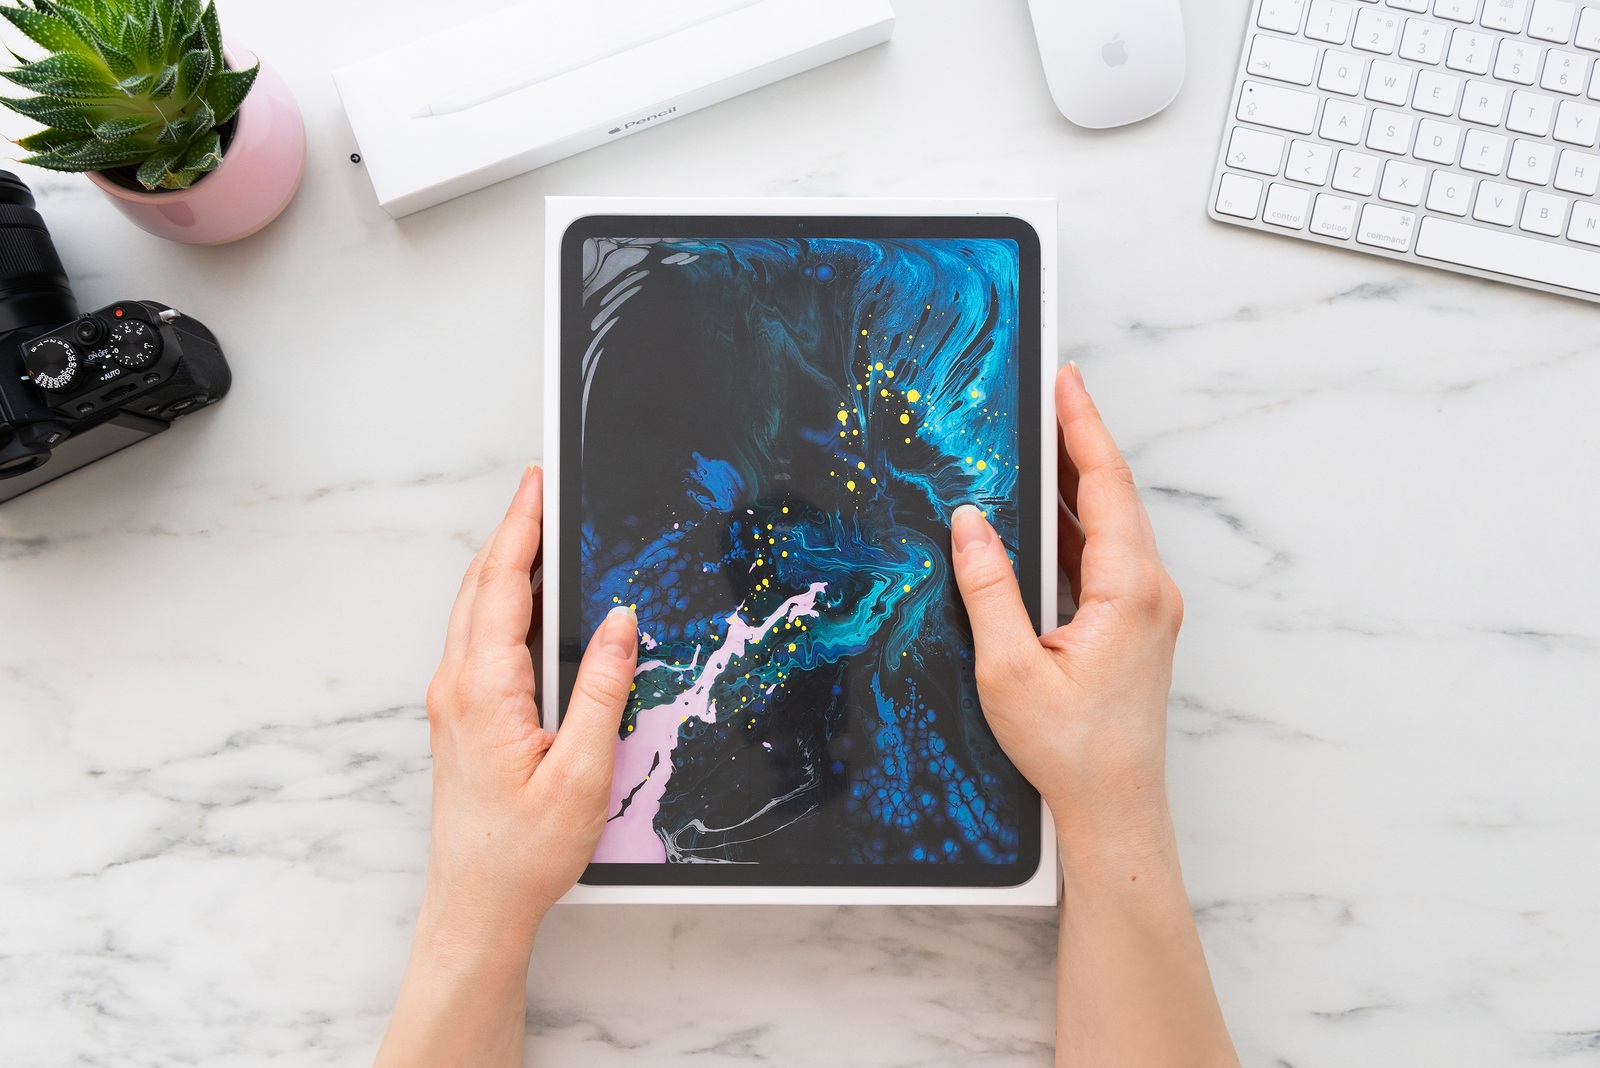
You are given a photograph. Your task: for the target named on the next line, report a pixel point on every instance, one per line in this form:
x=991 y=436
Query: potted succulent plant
x=191 y=138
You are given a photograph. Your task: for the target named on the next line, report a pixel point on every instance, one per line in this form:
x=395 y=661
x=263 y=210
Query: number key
x=1564 y=72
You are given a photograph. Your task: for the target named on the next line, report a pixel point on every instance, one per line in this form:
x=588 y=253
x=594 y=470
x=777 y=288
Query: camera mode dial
x=135 y=345
x=53 y=363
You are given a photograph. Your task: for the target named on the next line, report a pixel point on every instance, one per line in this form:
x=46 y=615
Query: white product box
x=1043 y=886
x=547 y=79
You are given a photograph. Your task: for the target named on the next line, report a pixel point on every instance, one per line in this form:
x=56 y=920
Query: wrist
x=1130 y=829
x=467 y=926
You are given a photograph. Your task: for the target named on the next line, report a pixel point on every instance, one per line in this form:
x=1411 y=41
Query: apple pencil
x=514 y=82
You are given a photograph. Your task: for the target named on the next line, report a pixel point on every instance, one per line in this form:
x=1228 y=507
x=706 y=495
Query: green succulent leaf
x=227 y=90
x=193 y=70
x=205 y=154
x=47 y=30
x=54 y=113
x=135 y=35
x=153 y=171
x=137 y=84
x=156 y=41
x=92 y=156
x=166 y=82
x=64 y=75
x=118 y=129
x=213 y=28
x=54 y=141
x=118 y=62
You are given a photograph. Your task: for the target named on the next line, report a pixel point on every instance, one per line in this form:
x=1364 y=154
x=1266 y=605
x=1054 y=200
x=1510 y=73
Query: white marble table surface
x=1376 y=485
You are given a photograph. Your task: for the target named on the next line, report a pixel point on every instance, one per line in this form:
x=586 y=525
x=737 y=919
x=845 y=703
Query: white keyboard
x=1454 y=133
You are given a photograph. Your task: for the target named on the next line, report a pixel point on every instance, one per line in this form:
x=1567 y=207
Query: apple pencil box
x=760 y=416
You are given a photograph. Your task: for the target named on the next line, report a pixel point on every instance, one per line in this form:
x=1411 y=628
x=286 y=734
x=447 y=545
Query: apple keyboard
x=1454 y=133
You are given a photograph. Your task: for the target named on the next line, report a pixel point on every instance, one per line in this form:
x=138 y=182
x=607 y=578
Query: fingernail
x=1077 y=372
x=969 y=530
x=529 y=471
x=618 y=635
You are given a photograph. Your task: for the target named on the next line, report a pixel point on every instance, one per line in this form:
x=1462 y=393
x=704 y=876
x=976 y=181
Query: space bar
x=1521 y=257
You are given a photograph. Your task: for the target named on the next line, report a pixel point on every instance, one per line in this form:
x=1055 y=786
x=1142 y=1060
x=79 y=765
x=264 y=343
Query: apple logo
x=1116 y=53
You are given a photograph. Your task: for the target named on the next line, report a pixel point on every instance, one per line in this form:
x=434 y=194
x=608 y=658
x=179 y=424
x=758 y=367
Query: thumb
x=586 y=740
x=1007 y=646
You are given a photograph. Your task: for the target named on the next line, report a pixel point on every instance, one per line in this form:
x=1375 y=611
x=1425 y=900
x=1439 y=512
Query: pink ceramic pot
x=258 y=176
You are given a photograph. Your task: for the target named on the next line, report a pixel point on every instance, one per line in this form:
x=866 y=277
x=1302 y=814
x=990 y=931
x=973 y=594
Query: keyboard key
x=1437 y=142
x=1309 y=162
x=1402 y=183
x=1484 y=152
x=1506 y=15
x=1565 y=72
x=1531 y=113
x=1585 y=225
x=1422 y=41
x=1497 y=203
x=1520 y=257
x=1341 y=73
x=1284 y=61
x=1576 y=123
x=1594 y=83
x=1533 y=162
x=1578 y=172
x=1391 y=131
x=1239 y=196
x=1389 y=83
x=1329 y=21
x=1287 y=207
x=1418 y=6
x=1334 y=216
x=1588 y=35
x=1436 y=93
x=1387 y=228
x=1456 y=10
x=1450 y=193
x=1282 y=109
x=1343 y=121
x=1484 y=103
x=1356 y=173
x=1376 y=31
x=1552 y=20
x=1518 y=62
x=1544 y=213
x=1470 y=51
x=1255 y=150
x=1281 y=15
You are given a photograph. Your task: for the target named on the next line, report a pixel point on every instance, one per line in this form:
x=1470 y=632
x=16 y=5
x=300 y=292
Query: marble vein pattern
x=1375 y=484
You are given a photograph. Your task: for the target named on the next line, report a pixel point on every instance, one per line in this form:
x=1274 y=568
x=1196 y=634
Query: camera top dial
x=135 y=344
x=53 y=363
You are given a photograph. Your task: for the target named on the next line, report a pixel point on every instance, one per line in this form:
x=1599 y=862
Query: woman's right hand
x=1082 y=711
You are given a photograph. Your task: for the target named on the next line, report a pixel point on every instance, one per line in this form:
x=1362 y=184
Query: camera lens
x=34 y=290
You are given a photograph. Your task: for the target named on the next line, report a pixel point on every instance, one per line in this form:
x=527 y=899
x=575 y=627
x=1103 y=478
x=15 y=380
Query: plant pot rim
x=231 y=54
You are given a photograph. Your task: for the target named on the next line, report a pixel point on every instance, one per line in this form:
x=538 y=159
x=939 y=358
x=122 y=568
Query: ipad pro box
x=760 y=417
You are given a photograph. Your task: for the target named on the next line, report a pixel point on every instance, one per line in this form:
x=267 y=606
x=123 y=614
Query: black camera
x=75 y=388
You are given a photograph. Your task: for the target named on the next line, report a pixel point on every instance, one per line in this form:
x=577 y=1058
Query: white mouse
x=1110 y=62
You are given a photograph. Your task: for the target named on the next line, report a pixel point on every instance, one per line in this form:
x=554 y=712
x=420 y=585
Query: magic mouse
x=1110 y=62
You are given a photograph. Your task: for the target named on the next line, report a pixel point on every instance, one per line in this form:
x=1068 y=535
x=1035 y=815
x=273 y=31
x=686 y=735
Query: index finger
x=1119 y=544
x=502 y=607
